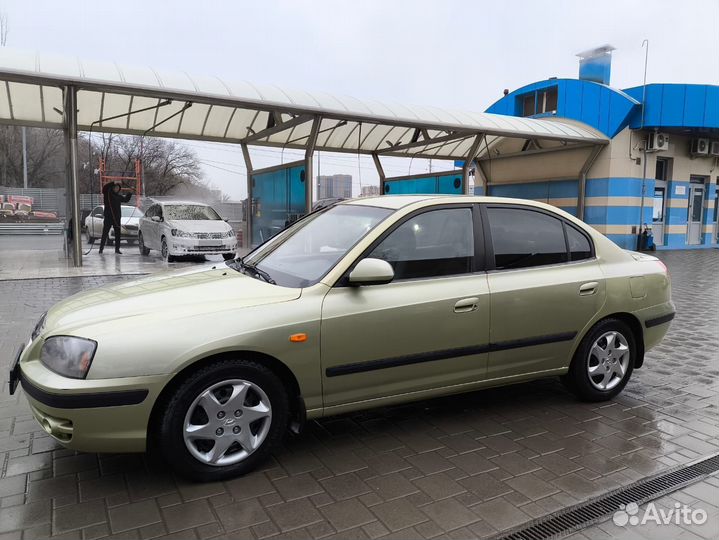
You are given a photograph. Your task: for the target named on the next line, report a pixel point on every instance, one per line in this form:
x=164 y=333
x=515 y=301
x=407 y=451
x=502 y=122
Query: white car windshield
x=194 y=212
x=302 y=254
x=131 y=211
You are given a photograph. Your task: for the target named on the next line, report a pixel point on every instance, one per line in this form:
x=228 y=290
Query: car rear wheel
x=223 y=420
x=89 y=236
x=604 y=361
x=144 y=251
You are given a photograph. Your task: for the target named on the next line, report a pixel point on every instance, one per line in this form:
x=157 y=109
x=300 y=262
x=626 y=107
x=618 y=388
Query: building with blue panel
x=663 y=156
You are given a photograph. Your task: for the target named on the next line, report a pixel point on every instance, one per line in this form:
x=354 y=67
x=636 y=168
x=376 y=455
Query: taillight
x=664 y=267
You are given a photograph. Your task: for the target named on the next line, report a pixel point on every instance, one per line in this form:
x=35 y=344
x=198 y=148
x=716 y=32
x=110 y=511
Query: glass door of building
x=716 y=216
x=658 y=212
x=696 y=210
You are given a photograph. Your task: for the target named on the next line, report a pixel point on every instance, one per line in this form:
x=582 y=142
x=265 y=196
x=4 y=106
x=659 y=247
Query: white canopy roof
x=214 y=109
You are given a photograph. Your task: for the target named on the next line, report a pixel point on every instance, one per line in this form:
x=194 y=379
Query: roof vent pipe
x=596 y=64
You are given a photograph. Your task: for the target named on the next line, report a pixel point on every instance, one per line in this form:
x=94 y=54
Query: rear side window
x=523 y=238
x=579 y=246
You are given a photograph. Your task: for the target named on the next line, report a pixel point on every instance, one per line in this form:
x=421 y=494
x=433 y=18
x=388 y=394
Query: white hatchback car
x=177 y=228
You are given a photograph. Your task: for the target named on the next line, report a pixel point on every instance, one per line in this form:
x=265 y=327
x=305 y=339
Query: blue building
x=663 y=156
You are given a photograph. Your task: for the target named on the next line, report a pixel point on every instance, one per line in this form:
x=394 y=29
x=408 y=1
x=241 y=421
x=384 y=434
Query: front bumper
x=195 y=246
x=91 y=415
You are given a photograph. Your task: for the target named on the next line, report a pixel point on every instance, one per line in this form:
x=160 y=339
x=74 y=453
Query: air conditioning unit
x=699 y=147
x=714 y=148
x=657 y=141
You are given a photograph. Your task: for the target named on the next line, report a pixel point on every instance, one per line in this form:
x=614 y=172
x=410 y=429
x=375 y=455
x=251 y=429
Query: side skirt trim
x=406 y=360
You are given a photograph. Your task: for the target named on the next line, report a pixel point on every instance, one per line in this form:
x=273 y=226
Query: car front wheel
x=144 y=251
x=165 y=250
x=604 y=361
x=223 y=420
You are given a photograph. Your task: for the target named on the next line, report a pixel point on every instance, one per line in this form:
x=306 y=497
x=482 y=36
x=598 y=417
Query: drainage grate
x=582 y=515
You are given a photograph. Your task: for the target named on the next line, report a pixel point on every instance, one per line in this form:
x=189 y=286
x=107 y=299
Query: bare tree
x=3 y=28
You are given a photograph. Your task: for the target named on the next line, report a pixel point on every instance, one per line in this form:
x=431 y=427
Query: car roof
x=396 y=202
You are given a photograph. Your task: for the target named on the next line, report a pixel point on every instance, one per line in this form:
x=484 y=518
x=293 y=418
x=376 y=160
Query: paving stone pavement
x=459 y=467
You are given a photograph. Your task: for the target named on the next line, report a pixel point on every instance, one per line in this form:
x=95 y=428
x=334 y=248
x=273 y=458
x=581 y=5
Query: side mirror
x=371 y=272
x=156 y=219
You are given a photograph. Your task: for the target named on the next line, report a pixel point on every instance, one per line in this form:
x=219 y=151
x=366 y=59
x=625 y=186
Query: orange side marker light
x=298 y=338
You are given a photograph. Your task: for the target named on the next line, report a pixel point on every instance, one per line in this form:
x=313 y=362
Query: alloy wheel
x=227 y=422
x=608 y=360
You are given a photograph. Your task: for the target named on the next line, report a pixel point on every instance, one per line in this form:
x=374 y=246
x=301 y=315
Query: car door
x=545 y=286
x=96 y=221
x=153 y=227
x=426 y=329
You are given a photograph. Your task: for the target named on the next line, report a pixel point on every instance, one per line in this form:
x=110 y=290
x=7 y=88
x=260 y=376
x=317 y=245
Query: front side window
x=192 y=212
x=302 y=254
x=523 y=238
x=431 y=244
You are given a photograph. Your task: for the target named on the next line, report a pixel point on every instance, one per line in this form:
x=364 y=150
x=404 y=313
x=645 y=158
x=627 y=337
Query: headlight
x=230 y=233
x=68 y=356
x=180 y=234
x=39 y=327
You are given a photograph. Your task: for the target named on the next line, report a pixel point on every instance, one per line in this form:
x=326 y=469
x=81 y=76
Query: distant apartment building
x=337 y=185
x=369 y=191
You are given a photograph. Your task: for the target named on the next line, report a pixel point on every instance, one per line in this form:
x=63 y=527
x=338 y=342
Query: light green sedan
x=367 y=303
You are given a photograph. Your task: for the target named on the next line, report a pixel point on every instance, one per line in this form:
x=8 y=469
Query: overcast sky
x=457 y=54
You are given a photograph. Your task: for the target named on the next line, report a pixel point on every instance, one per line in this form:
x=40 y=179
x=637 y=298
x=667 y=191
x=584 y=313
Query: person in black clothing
x=113 y=200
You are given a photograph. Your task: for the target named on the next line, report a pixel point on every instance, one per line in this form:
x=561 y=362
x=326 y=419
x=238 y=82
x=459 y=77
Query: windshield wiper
x=241 y=266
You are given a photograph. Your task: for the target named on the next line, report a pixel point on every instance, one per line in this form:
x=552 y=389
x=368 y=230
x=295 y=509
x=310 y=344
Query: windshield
x=190 y=212
x=131 y=211
x=301 y=255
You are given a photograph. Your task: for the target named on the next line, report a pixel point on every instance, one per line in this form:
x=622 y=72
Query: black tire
x=90 y=237
x=165 y=251
x=141 y=245
x=169 y=440
x=228 y=256
x=578 y=379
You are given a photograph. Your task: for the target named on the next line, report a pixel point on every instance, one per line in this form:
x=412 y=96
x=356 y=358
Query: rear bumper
x=655 y=322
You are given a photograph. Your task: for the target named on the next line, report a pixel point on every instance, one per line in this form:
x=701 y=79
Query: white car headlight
x=68 y=356
x=230 y=233
x=181 y=234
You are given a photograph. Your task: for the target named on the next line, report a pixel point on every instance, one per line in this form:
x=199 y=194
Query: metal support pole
x=72 y=184
x=309 y=152
x=583 y=180
x=485 y=177
x=24 y=157
x=248 y=218
x=644 y=188
x=473 y=151
x=380 y=172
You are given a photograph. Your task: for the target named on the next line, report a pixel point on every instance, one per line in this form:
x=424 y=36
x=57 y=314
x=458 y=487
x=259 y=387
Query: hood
x=167 y=295
x=199 y=225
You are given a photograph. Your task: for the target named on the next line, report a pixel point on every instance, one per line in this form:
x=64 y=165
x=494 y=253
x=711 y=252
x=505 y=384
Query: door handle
x=587 y=289
x=466 y=305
